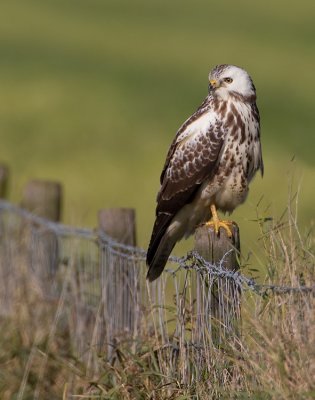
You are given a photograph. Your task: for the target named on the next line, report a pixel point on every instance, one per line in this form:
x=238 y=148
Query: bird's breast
x=228 y=186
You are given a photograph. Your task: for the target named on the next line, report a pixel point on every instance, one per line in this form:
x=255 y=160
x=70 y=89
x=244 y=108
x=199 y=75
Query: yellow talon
x=217 y=223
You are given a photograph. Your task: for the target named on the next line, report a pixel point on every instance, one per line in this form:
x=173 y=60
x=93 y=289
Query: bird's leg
x=217 y=223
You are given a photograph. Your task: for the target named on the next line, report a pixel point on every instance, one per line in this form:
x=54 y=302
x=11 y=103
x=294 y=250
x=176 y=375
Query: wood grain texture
x=225 y=297
x=119 y=279
x=119 y=223
x=43 y=198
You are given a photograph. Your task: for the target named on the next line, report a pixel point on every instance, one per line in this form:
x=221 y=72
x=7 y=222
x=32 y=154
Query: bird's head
x=230 y=81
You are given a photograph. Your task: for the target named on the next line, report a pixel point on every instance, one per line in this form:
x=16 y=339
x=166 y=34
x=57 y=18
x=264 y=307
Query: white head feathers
x=230 y=80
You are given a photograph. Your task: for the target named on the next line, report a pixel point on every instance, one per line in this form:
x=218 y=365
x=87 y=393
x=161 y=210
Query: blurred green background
x=93 y=91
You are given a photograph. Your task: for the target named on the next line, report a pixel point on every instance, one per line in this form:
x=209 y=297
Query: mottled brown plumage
x=211 y=161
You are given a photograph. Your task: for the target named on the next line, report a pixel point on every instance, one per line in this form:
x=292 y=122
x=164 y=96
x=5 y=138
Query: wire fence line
x=192 y=261
x=86 y=289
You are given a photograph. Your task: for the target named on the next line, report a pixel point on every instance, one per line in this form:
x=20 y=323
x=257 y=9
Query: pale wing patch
x=199 y=126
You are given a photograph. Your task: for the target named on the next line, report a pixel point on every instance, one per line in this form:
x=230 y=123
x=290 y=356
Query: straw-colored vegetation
x=92 y=93
x=273 y=358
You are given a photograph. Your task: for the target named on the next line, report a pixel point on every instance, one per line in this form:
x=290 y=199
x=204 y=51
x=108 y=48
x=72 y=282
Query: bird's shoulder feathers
x=191 y=159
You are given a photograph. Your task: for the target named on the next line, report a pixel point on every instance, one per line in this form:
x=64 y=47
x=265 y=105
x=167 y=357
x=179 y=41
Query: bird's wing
x=183 y=132
x=191 y=159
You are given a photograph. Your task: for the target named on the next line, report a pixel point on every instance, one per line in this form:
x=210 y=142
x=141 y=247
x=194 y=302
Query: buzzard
x=213 y=158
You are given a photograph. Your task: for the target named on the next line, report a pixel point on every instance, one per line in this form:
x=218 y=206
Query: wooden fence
x=121 y=269
x=90 y=286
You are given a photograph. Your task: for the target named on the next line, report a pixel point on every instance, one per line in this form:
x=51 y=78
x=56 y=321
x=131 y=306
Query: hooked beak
x=213 y=83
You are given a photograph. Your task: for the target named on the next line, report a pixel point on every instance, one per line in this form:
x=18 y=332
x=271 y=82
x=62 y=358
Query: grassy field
x=92 y=93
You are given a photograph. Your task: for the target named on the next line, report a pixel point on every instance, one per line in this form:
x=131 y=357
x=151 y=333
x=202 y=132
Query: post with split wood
x=224 y=306
x=119 y=276
x=44 y=199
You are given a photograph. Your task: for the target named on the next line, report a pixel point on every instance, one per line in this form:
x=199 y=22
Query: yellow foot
x=217 y=224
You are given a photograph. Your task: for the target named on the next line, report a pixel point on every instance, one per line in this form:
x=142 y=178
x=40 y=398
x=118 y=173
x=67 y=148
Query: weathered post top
x=119 y=223
x=43 y=198
x=213 y=247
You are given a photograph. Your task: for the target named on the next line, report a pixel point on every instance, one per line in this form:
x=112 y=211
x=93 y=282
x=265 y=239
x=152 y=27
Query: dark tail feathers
x=160 y=246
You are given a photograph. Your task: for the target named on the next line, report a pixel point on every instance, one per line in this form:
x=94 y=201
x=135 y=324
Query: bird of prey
x=213 y=158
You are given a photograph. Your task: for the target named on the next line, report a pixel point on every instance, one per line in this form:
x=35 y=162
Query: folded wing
x=191 y=160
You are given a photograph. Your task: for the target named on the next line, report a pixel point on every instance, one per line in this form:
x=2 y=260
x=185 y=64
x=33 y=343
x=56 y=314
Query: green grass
x=92 y=93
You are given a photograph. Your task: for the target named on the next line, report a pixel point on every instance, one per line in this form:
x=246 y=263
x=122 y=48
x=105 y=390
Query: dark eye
x=228 y=80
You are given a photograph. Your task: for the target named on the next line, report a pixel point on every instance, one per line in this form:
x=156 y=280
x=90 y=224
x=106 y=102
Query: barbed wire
x=192 y=261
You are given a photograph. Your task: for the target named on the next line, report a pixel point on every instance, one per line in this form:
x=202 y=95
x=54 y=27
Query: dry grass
x=274 y=357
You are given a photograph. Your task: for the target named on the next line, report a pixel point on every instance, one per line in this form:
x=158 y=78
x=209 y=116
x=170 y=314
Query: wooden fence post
x=118 y=276
x=119 y=223
x=225 y=297
x=4 y=177
x=44 y=199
